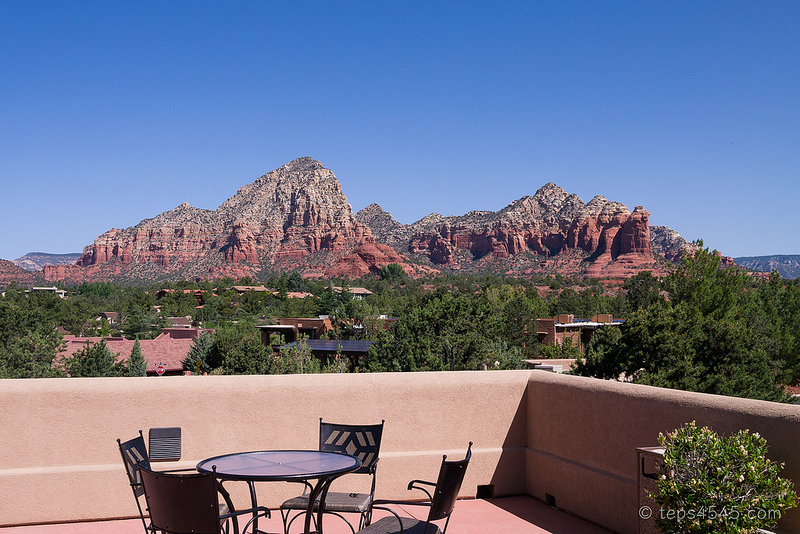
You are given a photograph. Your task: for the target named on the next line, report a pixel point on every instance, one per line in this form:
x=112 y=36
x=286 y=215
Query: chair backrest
x=451 y=475
x=134 y=454
x=361 y=441
x=182 y=503
x=165 y=444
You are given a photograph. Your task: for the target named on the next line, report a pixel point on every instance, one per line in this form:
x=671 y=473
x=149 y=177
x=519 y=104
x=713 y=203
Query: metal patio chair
x=362 y=441
x=134 y=454
x=188 y=503
x=442 y=497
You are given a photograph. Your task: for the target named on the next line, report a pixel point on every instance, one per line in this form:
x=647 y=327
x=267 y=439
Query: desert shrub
x=713 y=485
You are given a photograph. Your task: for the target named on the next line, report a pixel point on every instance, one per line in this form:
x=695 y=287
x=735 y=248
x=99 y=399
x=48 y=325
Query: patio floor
x=510 y=515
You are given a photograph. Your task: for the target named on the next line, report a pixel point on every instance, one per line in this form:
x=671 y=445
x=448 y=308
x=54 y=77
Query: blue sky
x=113 y=112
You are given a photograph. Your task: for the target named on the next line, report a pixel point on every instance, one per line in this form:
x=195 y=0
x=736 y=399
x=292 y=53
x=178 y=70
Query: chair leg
x=288 y=524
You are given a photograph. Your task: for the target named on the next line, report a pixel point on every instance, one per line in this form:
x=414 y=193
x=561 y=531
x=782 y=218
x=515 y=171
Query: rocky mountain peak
x=550 y=195
x=296 y=218
x=302 y=165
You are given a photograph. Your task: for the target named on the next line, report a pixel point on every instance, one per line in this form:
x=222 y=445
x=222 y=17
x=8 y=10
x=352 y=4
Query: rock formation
x=11 y=273
x=35 y=261
x=296 y=218
x=551 y=231
x=293 y=218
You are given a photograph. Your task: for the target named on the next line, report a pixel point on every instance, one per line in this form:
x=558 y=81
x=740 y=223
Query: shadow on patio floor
x=510 y=515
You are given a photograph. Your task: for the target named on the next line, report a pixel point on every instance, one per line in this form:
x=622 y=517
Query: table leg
x=319 y=490
x=254 y=502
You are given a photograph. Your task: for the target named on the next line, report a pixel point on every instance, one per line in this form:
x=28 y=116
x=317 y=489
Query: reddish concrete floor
x=510 y=515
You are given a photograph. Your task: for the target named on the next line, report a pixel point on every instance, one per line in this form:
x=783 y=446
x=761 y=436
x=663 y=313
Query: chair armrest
x=417 y=484
x=374 y=466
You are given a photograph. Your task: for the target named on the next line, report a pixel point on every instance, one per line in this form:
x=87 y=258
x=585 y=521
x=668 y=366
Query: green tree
x=197 y=359
x=678 y=347
x=642 y=291
x=296 y=358
x=392 y=272
x=237 y=349
x=702 y=282
x=94 y=360
x=295 y=282
x=29 y=341
x=137 y=365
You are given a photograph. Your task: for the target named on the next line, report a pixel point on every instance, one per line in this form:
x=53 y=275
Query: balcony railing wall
x=583 y=434
x=566 y=440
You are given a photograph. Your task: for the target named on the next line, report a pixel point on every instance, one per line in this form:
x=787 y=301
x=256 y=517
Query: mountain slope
x=296 y=218
x=788 y=266
x=292 y=218
x=35 y=261
x=551 y=231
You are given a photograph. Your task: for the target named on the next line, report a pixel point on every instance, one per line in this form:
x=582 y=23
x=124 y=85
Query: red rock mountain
x=551 y=231
x=12 y=273
x=297 y=218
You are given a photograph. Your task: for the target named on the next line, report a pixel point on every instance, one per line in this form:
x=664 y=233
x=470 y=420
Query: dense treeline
x=702 y=328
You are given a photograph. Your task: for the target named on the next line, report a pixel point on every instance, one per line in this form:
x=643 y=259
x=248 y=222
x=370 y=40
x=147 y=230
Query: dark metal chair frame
x=134 y=455
x=362 y=441
x=441 y=495
x=188 y=503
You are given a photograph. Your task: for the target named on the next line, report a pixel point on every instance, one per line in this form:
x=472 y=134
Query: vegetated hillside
x=297 y=219
x=788 y=266
x=10 y=273
x=35 y=261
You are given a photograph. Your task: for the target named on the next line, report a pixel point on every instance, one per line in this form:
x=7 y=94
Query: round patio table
x=284 y=466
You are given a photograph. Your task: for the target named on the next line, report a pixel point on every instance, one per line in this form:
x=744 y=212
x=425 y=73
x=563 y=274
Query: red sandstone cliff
x=295 y=217
x=548 y=232
x=11 y=273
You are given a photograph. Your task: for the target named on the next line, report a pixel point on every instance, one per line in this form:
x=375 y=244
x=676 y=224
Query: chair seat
x=334 y=502
x=391 y=525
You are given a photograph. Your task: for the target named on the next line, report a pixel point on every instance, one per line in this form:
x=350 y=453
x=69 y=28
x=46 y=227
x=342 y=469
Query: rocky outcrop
x=549 y=231
x=278 y=222
x=35 y=261
x=296 y=218
x=668 y=243
x=10 y=273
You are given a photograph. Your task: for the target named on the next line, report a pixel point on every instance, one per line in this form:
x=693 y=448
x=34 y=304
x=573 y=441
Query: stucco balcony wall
x=59 y=459
x=583 y=434
x=555 y=437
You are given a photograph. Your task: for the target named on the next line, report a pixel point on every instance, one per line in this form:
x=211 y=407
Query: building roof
x=164 y=350
x=345 y=346
x=244 y=289
x=353 y=290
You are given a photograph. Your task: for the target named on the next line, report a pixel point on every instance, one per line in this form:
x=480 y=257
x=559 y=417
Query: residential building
x=566 y=326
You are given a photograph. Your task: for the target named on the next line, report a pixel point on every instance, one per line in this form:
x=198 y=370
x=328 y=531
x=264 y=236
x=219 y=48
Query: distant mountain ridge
x=296 y=218
x=787 y=265
x=35 y=261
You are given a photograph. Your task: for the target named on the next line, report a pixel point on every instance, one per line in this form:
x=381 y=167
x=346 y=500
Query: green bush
x=712 y=484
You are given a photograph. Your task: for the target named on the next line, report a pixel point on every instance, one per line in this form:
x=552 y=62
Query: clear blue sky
x=112 y=112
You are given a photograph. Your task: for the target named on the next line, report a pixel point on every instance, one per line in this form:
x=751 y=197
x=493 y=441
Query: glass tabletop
x=279 y=465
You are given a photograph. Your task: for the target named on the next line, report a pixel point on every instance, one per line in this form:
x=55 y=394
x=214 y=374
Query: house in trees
x=566 y=326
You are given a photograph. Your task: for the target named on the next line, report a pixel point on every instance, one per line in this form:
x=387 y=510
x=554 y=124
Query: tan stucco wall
x=583 y=434
x=534 y=432
x=59 y=459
